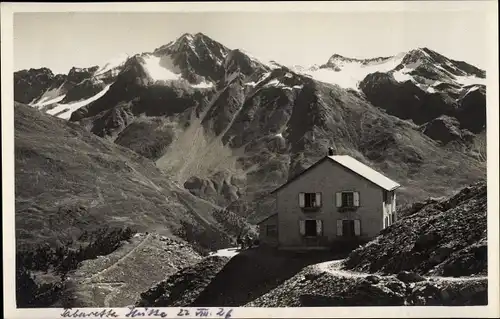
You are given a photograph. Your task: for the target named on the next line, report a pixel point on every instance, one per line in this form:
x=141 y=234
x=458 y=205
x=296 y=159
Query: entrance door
x=348 y=228
x=311 y=228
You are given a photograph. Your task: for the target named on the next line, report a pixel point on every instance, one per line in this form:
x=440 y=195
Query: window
x=311 y=227
x=386 y=196
x=347 y=199
x=271 y=230
x=348 y=227
x=310 y=200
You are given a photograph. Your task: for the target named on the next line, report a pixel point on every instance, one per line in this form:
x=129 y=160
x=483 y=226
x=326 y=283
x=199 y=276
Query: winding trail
x=334 y=267
x=113 y=265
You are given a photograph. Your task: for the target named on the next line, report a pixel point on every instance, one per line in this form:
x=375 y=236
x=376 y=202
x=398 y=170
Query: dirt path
x=112 y=266
x=334 y=267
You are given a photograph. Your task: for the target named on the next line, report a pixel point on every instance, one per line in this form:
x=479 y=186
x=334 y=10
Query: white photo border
x=490 y=9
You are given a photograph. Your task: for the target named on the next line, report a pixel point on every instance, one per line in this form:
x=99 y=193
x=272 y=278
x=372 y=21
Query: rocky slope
x=316 y=288
x=229 y=127
x=182 y=288
x=446 y=237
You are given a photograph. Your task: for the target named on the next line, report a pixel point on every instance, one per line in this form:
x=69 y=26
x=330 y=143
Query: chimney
x=330 y=151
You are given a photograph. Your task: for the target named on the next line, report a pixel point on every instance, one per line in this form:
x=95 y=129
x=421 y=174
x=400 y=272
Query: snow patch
x=402 y=75
x=273 y=82
x=470 y=80
x=229 y=252
x=47 y=101
x=276 y=83
x=262 y=78
x=203 y=85
x=156 y=71
x=154 y=67
x=430 y=89
x=65 y=110
x=472 y=89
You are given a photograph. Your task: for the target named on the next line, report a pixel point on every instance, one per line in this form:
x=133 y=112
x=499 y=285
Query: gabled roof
x=365 y=171
x=355 y=166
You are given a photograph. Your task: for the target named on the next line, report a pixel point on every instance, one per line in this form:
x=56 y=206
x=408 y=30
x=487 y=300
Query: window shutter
x=356 y=199
x=357 y=227
x=302 y=200
x=302 y=227
x=319 y=227
x=339 y=227
x=318 y=199
x=339 y=199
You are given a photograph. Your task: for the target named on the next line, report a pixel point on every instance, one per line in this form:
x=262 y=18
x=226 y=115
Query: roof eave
x=394 y=188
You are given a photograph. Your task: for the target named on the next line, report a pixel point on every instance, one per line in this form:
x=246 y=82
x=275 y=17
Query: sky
x=61 y=40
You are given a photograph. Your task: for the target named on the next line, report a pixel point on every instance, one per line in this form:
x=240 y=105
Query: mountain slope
x=69 y=181
x=229 y=128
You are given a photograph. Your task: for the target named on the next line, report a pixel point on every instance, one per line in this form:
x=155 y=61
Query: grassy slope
x=68 y=180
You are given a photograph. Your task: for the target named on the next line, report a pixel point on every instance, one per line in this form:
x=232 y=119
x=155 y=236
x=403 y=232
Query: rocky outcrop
x=441 y=237
x=83 y=90
x=31 y=84
x=446 y=129
x=182 y=288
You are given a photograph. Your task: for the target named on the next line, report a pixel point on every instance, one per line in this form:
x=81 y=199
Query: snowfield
x=351 y=72
x=156 y=71
x=152 y=65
